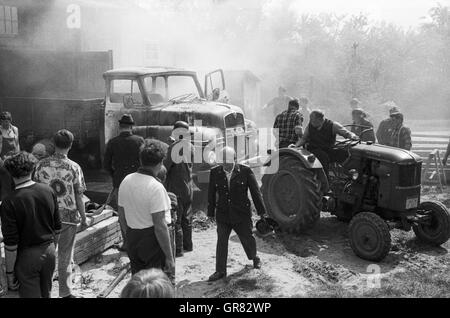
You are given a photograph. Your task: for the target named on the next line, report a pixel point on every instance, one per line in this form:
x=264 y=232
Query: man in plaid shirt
x=289 y=124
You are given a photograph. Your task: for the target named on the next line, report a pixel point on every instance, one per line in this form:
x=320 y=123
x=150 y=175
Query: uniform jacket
x=179 y=175
x=231 y=204
x=122 y=156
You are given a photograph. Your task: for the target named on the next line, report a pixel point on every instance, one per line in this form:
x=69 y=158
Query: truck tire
x=292 y=195
x=369 y=236
x=438 y=232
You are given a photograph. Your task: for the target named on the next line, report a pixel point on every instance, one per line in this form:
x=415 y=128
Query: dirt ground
x=319 y=263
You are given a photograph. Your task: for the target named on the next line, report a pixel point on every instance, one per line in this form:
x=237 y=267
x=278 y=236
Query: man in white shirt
x=146 y=205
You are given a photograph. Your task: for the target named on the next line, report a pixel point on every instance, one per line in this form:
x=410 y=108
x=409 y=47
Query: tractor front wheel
x=437 y=230
x=369 y=236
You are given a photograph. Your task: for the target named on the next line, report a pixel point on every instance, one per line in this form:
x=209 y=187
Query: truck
x=158 y=97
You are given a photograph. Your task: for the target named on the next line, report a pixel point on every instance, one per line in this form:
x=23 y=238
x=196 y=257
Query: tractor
x=377 y=188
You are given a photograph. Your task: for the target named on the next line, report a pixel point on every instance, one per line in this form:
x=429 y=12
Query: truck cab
x=158 y=97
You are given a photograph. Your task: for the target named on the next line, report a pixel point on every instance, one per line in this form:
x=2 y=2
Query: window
x=9 y=22
x=124 y=90
x=182 y=85
x=156 y=89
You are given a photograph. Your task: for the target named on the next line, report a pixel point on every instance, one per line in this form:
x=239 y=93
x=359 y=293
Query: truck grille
x=410 y=175
x=234 y=120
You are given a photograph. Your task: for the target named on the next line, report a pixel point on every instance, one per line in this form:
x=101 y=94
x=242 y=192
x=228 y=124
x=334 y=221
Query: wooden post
x=435 y=158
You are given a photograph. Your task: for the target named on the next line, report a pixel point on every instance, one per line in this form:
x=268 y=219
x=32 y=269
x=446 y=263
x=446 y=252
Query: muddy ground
x=319 y=263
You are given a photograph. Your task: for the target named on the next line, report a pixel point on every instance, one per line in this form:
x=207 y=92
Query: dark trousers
x=121 y=215
x=144 y=250
x=245 y=232
x=183 y=226
x=34 y=270
x=328 y=156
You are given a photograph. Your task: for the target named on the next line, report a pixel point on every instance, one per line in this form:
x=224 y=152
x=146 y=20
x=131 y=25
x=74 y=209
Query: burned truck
x=157 y=97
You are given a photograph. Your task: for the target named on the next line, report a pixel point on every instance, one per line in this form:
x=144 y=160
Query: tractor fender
x=309 y=160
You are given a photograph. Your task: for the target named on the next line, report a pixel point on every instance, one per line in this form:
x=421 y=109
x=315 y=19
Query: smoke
x=285 y=43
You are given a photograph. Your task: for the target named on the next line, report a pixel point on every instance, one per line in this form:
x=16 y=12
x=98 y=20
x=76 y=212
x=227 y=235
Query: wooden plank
x=103 y=245
x=96 y=239
x=91 y=221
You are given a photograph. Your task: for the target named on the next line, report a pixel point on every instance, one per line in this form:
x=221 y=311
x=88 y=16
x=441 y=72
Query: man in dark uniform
x=229 y=205
x=178 y=163
x=320 y=138
x=122 y=159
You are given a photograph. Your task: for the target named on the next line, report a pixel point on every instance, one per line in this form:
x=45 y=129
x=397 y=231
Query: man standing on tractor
x=362 y=127
x=289 y=124
x=401 y=135
x=320 y=139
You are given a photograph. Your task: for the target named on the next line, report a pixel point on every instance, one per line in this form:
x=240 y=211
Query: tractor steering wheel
x=347 y=143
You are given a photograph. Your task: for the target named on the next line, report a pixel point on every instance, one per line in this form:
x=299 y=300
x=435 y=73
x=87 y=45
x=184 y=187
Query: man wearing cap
x=178 y=163
x=400 y=134
x=121 y=159
x=386 y=127
x=229 y=205
x=354 y=103
x=362 y=127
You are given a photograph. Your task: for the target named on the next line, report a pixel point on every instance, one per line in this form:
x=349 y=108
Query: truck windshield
x=179 y=87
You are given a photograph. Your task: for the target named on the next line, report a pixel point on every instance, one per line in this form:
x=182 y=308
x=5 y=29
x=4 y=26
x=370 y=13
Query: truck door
x=215 y=87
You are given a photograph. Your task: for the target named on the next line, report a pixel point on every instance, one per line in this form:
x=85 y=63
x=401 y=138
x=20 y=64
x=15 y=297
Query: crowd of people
x=290 y=122
x=42 y=206
x=41 y=196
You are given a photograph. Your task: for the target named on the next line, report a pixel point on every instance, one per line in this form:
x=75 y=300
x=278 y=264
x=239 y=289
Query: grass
x=400 y=285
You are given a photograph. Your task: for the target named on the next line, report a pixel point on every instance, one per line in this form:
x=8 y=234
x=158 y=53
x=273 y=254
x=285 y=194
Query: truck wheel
x=369 y=236
x=292 y=195
x=438 y=231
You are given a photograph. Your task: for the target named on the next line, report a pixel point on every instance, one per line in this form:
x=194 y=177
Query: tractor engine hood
x=385 y=153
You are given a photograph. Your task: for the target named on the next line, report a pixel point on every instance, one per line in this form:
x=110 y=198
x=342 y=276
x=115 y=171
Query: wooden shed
x=244 y=89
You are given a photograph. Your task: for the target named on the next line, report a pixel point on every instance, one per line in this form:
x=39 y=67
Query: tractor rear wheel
x=437 y=232
x=369 y=236
x=292 y=195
